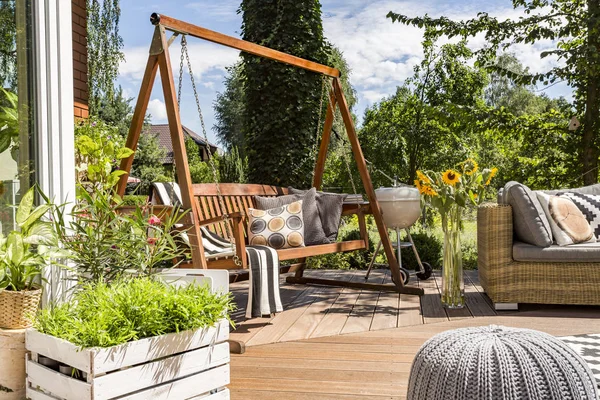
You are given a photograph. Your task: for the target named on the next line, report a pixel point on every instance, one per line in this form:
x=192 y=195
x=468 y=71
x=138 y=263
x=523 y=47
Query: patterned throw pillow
x=589 y=205
x=280 y=227
x=569 y=225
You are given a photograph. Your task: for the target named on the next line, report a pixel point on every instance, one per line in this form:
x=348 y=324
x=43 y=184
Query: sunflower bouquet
x=450 y=192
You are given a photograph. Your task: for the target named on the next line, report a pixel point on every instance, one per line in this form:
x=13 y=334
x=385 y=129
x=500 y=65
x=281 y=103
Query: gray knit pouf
x=498 y=363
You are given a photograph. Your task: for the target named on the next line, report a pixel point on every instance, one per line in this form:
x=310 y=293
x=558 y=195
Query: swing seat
x=238 y=198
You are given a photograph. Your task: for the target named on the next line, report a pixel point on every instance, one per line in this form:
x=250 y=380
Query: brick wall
x=80 y=87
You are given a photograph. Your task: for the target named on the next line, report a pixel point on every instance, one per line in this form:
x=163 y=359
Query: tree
x=282 y=102
x=8 y=51
x=421 y=126
x=147 y=163
x=230 y=110
x=104 y=44
x=573 y=25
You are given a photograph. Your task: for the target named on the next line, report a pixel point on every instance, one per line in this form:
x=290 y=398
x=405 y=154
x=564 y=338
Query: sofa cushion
x=582 y=252
x=529 y=220
x=568 y=224
x=591 y=189
x=589 y=205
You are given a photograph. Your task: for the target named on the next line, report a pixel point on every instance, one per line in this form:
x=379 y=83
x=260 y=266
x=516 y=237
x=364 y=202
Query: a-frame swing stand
x=159 y=59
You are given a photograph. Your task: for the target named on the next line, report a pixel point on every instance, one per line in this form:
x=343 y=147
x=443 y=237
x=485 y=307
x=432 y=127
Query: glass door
x=16 y=127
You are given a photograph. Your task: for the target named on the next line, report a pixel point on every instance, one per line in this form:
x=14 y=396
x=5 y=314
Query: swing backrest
x=238 y=197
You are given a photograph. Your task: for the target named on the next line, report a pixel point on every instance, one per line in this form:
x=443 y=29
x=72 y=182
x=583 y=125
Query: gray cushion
x=330 y=211
x=582 y=252
x=529 y=220
x=313 y=229
x=591 y=189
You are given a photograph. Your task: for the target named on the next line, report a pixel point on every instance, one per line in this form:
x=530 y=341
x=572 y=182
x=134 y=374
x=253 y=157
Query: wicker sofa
x=513 y=272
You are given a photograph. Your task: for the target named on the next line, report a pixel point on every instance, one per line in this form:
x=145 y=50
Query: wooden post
x=137 y=121
x=326 y=138
x=179 y=152
x=367 y=183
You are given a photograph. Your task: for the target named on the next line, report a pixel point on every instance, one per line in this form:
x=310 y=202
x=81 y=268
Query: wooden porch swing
x=223 y=207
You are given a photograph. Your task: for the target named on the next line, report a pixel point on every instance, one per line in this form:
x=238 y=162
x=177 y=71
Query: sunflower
x=493 y=173
x=423 y=178
x=428 y=191
x=470 y=166
x=450 y=177
x=418 y=184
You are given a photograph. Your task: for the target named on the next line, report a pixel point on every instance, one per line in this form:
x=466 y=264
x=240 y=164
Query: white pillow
x=561 y=236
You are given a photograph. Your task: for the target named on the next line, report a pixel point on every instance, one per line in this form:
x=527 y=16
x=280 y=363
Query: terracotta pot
x=17 y=309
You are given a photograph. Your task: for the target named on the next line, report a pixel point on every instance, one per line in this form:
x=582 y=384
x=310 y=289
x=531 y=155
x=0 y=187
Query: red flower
x=151 y=240
x=154 y=220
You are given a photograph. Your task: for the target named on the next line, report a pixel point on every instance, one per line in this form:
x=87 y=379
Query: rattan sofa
x=509 y=282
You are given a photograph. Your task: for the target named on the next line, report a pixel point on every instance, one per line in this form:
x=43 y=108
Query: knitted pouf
x=499 y=363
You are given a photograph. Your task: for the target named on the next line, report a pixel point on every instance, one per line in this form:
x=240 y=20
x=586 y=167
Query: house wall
x=80 y=86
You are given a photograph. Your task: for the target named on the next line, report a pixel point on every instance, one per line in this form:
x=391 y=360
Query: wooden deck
x=347 y=344
x=318 y=311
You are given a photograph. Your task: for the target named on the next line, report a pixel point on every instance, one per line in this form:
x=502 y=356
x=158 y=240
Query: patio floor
x=317 y=311
x=347 y=344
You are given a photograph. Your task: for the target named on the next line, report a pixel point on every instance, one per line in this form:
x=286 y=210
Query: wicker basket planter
x=17 y=309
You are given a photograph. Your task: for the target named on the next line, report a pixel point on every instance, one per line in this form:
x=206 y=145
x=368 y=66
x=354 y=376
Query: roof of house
x=163 y=133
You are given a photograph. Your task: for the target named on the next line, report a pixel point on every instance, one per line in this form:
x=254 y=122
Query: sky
x=381 y=54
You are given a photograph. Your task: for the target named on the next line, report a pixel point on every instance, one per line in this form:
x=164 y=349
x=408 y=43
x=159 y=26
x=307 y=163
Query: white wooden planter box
x=186 y=365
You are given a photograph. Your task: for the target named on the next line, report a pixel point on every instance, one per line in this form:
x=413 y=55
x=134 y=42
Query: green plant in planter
x=105 y=242
x=24 y=253
x=104 y=315
x=9 y=120
x=23 y=256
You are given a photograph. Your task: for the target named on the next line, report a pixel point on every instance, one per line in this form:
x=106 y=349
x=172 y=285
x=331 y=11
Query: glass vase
x=453 y=287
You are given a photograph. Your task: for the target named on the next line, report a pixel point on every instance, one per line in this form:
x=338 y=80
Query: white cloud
x=158 y=111
x=382 y=54
x=205 y=57
x=223 y=10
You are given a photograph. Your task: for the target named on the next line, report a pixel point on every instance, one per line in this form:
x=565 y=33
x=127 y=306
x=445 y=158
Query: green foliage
x=135 y=200
x=572 y=26
x=103 y=241
x=429 y=248
x=9 y=120
x=8 y=44
x=233 y=168
x=24 y=253
x=148 y=162
x=104 y=44
x=98 y=149
x=200 y=171
x=102 y=315
x=229 y=111
x=419 y=127
x=282 y=102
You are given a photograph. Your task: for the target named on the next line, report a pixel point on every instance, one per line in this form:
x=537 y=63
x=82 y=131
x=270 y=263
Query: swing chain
x=184 y=50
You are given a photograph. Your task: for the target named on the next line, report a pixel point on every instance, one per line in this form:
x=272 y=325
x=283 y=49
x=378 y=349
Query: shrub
x=134 y=200
x=429 y=248
x=469 y=253
x=102 y=315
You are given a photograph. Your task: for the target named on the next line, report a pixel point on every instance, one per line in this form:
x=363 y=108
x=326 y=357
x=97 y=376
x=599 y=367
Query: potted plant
x=23 y=255
x=135 y=337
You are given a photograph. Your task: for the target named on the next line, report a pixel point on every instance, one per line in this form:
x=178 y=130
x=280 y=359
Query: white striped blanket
x=263 y=290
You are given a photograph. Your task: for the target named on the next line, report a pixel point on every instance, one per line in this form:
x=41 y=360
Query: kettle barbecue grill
x=401 y=208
